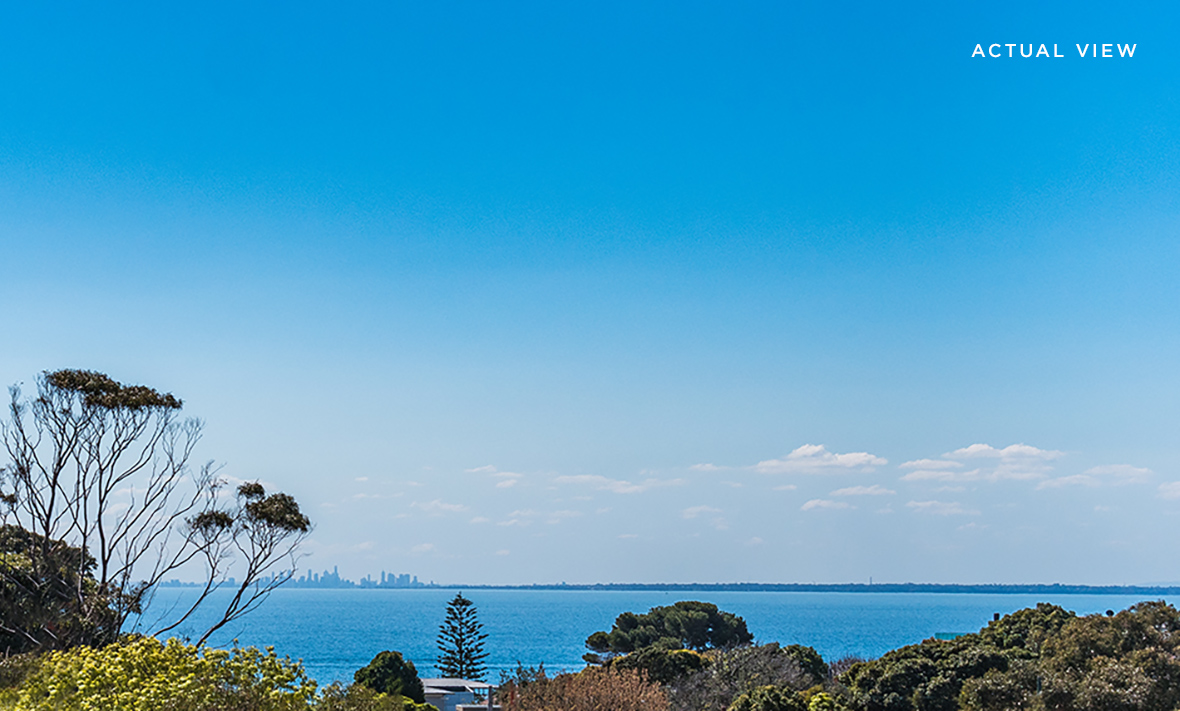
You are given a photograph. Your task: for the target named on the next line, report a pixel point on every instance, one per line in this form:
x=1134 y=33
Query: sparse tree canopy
x=99 y=504
x=460 y=642
x=684 y=625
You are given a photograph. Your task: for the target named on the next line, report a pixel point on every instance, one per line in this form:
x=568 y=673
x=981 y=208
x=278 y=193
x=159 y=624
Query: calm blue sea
x=336 y=632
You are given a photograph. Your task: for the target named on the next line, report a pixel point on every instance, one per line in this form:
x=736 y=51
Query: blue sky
x=596 y=292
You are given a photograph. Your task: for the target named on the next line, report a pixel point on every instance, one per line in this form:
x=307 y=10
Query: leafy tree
x=663 y=666
x=357 y=697
x=388 y=673
x=683 y=625
x=770 y=698
x=145 y=674
x=1038 y=658
x=460 y=641
x=46 y=602
x=99 y=505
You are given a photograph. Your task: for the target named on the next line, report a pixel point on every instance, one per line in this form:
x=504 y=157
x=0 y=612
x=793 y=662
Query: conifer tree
x=460 y=642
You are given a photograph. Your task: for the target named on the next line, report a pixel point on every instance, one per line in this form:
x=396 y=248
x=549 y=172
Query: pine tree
x=460 y=642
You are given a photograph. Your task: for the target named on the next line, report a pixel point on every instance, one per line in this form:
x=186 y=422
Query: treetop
x=100 y=390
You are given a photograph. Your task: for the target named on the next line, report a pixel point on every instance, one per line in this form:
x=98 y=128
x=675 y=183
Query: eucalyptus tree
x=99 y=504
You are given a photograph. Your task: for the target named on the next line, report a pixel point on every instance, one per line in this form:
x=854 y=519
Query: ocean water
x=335 y=632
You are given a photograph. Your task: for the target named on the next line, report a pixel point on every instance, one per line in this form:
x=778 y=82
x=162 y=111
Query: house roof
x=454 y=685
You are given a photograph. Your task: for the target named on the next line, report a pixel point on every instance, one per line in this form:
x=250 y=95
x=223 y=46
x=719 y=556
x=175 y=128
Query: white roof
x=451 y=684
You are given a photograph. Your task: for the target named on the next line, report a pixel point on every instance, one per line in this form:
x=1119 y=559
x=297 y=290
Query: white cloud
x=941 y=508
x=706 y=467
x=503 y=551
x=1122 y=473
x=786 y=487
x=824 y=504
x=755 y=541
x=559 y=516
x=943 y=475
x=1169 y=490
x=816 y=459
x=874 y=490
x=718 y=522
x=1115 y=474
x=930 y=464
x=361 y=478
x=480 y=519
x=628 y=535
x=438 y=507
x=617 y=486
x=1072 y=480
x=1012 y=451
x=1014 y=462
x=422 y=548
x=507 y=479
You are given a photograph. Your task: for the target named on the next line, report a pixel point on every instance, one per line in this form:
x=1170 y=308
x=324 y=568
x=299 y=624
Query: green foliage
x=48 y=596
x=926 y=676
x=823 y=701
x=663 y=666
x=1042 y=658
x=809 y=661
x=683 y=625
x=770 y=698
x=144 y=674
x=389 y=673
x=356 y=697
x=1026 y=629
x=99 y=390
x=460 y=641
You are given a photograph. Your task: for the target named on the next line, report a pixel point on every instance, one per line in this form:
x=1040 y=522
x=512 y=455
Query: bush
x=662 y=666
x=357 y=697
x=144 y=674
x=594 y=689
x=735 y=672
x=769 y=698
x=389 y=674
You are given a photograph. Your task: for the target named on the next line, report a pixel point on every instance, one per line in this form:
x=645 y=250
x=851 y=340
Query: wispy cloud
x=1169 y=490
x=506 y=479
x=941 y=508
x=824 y=504
x=1014 y=462
x=930 y=464
x=1122 y=473
x=816 y=459
x=1109 y=474
x=617 y=486
x=717 y=522
x=694 y=511
x=438 y=507
x=874 y=490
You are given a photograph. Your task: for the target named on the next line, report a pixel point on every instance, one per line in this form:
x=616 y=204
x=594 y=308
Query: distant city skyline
x=654 y=292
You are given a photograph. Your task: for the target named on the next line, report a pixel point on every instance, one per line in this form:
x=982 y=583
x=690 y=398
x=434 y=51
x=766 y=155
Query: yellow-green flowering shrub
x=145 y=674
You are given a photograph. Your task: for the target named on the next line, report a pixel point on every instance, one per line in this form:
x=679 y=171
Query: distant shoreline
x=987 y=589
x=1032 y=589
